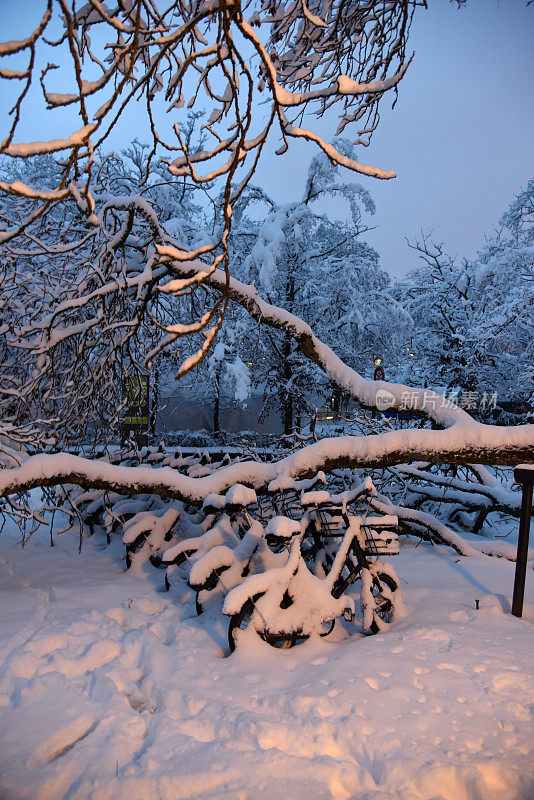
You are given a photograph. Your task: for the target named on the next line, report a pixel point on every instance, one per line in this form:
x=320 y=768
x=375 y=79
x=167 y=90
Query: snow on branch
x=461 y=443
x=304 y=59
x=25 y=150
x=427 y=402
x=22 y=190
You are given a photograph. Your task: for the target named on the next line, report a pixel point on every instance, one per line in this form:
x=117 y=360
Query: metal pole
x=526 y=478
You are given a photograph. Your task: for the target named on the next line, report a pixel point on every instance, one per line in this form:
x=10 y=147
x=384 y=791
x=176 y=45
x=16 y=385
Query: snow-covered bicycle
x=216 y=567
x=289 y=604
x=230 y=547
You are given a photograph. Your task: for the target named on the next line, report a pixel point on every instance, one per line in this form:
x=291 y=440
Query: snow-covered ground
x=110 y=688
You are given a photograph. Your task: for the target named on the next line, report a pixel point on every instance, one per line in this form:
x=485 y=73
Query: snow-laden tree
x=438 y=296
x=318 y=268
x=223 y=379
x=315 y=267
x=76 y=304
x=504 y=291
x=518 y=221
x=473 y=320
x=300 y=59
x=279 y=263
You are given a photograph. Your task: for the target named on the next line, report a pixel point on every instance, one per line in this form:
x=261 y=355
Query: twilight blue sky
x=460 y=137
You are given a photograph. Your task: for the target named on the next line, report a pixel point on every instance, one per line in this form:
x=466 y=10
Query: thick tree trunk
x=154 y=405
x=287 y=394
x=216 y=412
x=336 y=402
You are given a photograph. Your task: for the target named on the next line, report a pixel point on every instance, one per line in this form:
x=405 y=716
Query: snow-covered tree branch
x=292 y=58
x=109 y=262
x=462 y=443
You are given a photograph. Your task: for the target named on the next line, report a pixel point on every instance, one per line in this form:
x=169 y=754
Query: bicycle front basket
x=381 y=541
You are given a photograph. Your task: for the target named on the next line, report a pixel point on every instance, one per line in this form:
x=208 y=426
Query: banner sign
x=136 y=414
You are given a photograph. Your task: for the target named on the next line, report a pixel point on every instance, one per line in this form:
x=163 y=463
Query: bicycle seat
x=239 y=496
x=318 y=498
x=282 y=528
x=213 y=503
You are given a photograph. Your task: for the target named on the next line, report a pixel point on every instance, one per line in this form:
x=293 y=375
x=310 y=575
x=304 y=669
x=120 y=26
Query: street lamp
x=379 y=369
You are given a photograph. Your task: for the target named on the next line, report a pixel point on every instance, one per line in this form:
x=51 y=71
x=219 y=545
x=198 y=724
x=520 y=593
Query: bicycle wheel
x=328 y=627
x=240 y=621
x=383 y=590
x=134 y=547
x=282 y=641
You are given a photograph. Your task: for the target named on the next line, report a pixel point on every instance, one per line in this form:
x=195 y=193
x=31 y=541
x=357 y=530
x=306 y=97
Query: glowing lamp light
x=377 y=360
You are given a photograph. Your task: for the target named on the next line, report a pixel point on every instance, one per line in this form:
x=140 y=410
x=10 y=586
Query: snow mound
x=282 y=527
x=240 y=495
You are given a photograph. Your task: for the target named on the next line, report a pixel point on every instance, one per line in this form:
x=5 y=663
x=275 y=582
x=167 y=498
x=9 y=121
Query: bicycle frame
x=290 y=603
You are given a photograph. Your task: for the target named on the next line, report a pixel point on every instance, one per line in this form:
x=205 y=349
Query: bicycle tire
x=328 y=631
x=240 y=621
x=282 y=641
x=243 y=617
x=384 y=610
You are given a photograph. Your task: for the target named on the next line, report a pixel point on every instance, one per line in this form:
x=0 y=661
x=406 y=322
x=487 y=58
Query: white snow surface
x=113 y=690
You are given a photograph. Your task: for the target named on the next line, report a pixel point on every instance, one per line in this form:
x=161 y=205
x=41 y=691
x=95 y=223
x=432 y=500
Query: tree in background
x=504 y=290
x=473 y=320
x=77 y=304
x=318 y=268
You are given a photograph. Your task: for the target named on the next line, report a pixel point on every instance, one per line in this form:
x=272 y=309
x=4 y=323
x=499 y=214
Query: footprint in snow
x=96 y=656
x=65 y=739
x=373 y=683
